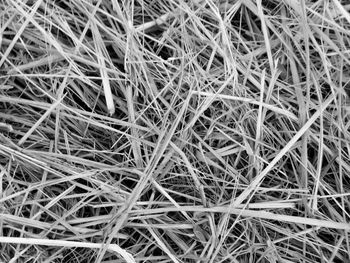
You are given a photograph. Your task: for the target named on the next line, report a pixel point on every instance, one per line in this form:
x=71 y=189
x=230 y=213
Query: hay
x=174 y=131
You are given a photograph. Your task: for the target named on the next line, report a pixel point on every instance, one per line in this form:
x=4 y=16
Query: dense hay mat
x=174 y=131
